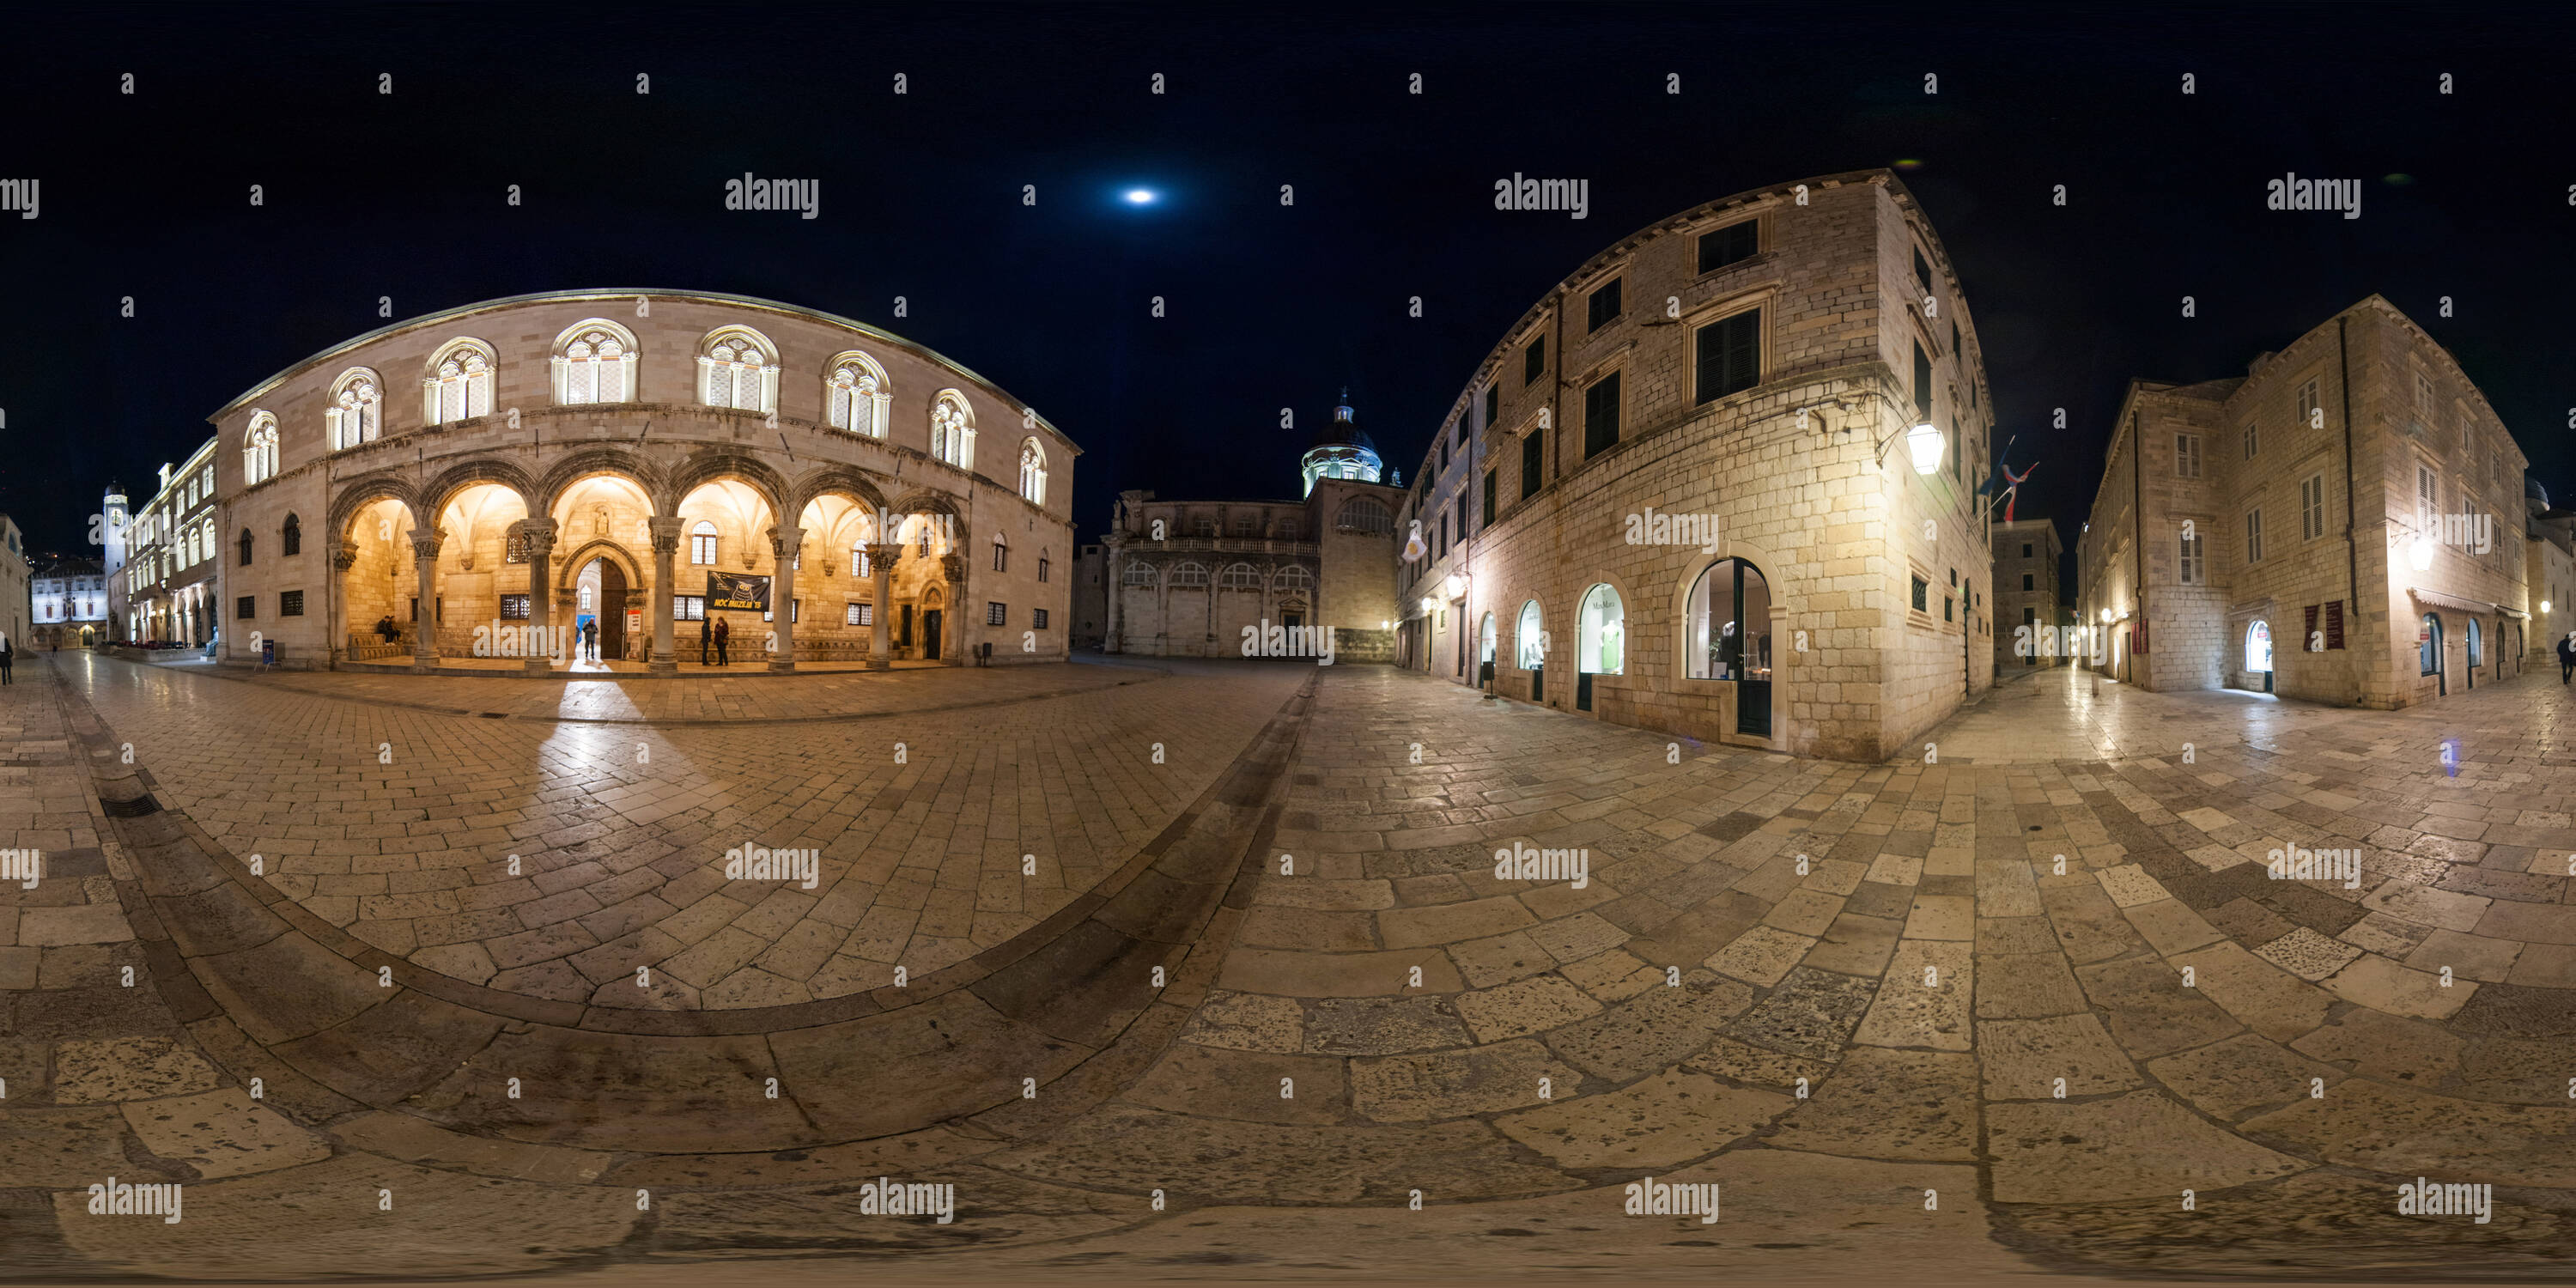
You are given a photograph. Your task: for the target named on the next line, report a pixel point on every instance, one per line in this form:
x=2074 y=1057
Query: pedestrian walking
x=722 y=631
x=2566 y=656
x=590 y=639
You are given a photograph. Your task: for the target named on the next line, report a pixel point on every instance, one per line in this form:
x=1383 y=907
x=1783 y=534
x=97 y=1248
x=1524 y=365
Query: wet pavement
x=2028 y=1002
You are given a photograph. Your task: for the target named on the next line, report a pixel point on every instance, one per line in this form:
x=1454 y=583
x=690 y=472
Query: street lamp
x=1456 y=586
x=2421 y=554
x=1924 y=441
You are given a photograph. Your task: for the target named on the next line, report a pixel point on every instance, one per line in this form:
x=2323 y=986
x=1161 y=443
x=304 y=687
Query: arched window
x=2258 y=646
x=259 y=449
x=1729 y=620
x=1295 y=580
x=1485 y=640
x=290 y=539
x=1601 y=648
x=738 y=368
x=594 y=362
x=1528 y=638
x=1138 y=574
x=1001 y=554
x=855 y=394
x=356 y=413
x=1239 y=576
x=859 y=560
x=1190 y=574
x=702 y=544
x=2477 y=645
x=952 y=429
x=2428 y=652
x=245 y=548
x=1364 y=514
x=1032 y=471
x=458 y=384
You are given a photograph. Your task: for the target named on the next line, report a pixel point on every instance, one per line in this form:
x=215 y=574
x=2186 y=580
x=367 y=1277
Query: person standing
x=722 y=631
x=704 y=641
x=2566 y=656
x=590 y=640
x=7 y=655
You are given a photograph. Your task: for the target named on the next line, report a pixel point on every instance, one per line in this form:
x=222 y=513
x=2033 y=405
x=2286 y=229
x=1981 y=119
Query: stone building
x=1722 y=481
x=2027 y=597
x=1090 y=595
x=70 y=603
x=168 y=587
x=1210 y=578
x=2549 y=570
x=2330 y=526
x=15 y=585
x=649 y=460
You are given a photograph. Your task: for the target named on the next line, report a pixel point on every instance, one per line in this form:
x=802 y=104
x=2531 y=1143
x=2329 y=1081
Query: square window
x=246 y=607
x=1729 y=353
x=1732 y=244
x=290 y=603
x=514 y=608
x=1922 y=593
x=996 y=615
x=2026 y=582
x=855 y=615
x=2025 y=550
x=1534 y=360
x=1604 y=305
x=1037 y=618
x=1601 y=416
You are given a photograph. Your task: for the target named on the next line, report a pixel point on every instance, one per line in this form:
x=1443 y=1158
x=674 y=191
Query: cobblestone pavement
x=1987 y=1015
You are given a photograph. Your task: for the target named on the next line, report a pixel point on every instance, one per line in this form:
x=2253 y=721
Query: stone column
x=424 y=635
x=881 y=559
x=343 y=558
x=666 y=543
x=1109 y=576
x=541 y=591
x=784 y=543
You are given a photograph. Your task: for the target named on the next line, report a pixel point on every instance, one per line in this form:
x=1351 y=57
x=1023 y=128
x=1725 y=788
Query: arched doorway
x=2429 y=653
x=1728 y=620
x=1531 y=639
x=1485 y=653
x=2258 y=651
x=2477 y=651
x=1601 y=640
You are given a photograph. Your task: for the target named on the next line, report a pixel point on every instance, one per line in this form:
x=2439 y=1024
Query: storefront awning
x=2439 y=599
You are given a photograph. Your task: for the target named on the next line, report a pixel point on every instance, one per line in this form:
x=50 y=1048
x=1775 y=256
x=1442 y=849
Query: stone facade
x=2549 y=570
x=1090 y=596
x=16 y=585
x=2238 y=518
x=2027 y=595
x=69 y=603
x=603 y=456
x=168 y=589
x=1753 y=362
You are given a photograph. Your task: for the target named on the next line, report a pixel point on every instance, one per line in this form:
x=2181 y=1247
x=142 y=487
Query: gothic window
x=738 y=369
x=458 y=384
x=594 y=362
x=1033 y=472
x=702 y=544
x=855 y=395
x=291 y=538
x=356 y=413
x=859 y=561
x=1001 y=554
x=952 y=430
x=259 y=450
x=245 y=548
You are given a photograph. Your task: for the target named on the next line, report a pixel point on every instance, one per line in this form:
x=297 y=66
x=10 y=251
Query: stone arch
x=709 y=465
x=933 y=501
x=627 y=463
x=610 y=549
x=822 y=481
x=443 y=489
x=364 y=491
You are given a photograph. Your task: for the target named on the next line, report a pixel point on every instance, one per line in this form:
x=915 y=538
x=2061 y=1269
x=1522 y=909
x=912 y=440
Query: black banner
x=738 y=590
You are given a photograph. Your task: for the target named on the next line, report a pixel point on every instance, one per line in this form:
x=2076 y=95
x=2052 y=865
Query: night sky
x=371 y=195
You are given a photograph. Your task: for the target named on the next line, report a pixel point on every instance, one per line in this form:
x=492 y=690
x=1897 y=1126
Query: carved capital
x=666 y=533
x=425 y=542
x=346 y=557
x=882 y=555
x=785 y=542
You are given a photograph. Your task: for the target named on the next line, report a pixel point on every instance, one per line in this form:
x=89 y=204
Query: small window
x=854 y=615
x=996 y=615
x=1922 y=269
x=246 y=607
x=1001 y=555
x=245 y=548
x=702 y=544
x=688 y=608
x=2253 y=440
x=1922 y=594
x=2027 y=581
x=2254 y=536
x=1604 y=305
x=2190 y=569
x=1037 y=618
x=1601 y=416
x=1138 y=574
x=1042 y=567
x=290 y=603
x=514 y=608
x=515 y=548
x=2025 y=550
x=1954 y=338
x=2423 y=396
x=1950 y=602
x=1493 y=402
x=291 y=538
x=2312 y=507
x=1533 y=360
x=1922 y=380
x=1729 y=355
x=1533 y=462
x=2187 y=456
x=1732 y=244
x=1489 y=499
x=2311 y=412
